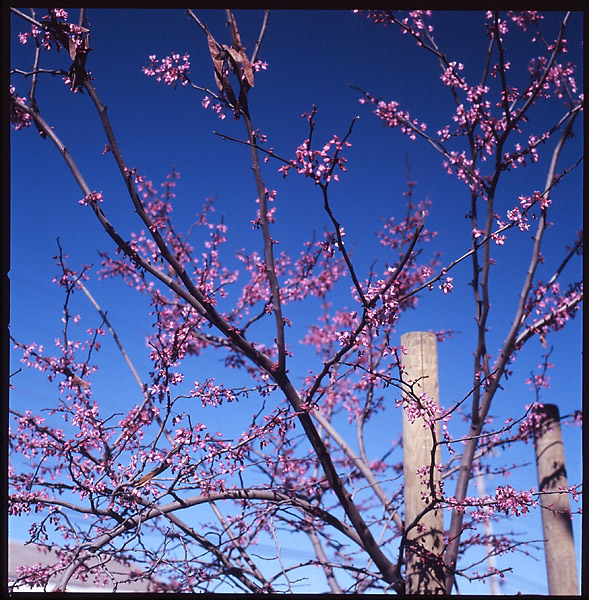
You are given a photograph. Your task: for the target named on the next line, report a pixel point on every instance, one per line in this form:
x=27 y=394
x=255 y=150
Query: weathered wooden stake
x=424 y=571
x=561 y=565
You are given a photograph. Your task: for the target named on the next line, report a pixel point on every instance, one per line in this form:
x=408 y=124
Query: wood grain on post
x=561 y=565
x=424 y=572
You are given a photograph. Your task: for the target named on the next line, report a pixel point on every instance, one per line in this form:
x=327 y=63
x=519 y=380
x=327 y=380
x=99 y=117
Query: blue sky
x=312 y=58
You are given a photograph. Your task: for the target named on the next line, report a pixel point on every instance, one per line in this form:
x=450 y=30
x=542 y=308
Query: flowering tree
x=195 y=508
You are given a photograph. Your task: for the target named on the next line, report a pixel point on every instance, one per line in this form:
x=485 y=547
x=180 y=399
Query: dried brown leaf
x=247 y=68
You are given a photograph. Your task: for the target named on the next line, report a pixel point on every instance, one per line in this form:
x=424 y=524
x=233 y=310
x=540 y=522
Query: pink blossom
x=498 y=238
x=19 y=117
x=215 y=107
x=450 y=76
x=447 y=286
x=525 y=18
x=390 y=114
x=92 y=198
x=318 y=164
x=169 y=69
x=259 y=65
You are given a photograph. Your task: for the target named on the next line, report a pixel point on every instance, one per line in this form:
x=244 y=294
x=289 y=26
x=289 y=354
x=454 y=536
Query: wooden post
x=424 y=573
x=561 y=565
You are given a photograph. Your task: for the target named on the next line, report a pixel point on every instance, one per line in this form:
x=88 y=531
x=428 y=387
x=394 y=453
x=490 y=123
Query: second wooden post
x=561 y=565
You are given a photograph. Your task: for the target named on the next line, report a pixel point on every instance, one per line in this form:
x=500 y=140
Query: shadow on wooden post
x=424 y=574
x=561 y=565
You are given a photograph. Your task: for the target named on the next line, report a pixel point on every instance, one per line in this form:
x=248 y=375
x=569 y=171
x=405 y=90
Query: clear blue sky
x=312 y=57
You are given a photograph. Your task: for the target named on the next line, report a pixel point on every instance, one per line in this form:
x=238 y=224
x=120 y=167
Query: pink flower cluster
x=56 y=26
x=47 y=37
x=518 y=156
x=91 y=198
x=424 y=408
x=552 y=306
x=451 y=78
x=525 y=18
x=211 y=394
x=393 y=117
x=462 y=167
x=414 y=24
x=527 y=202
x=169 y=69
x=19 y=117
x=76 y=373
x=506 y=500
x=216 y=107
x=538 y=381
x=259 y=65
x=318 y=164
x=559 y=79
x=473 y=116
x=59 y=13
x=446 y=286
x=509 y=501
